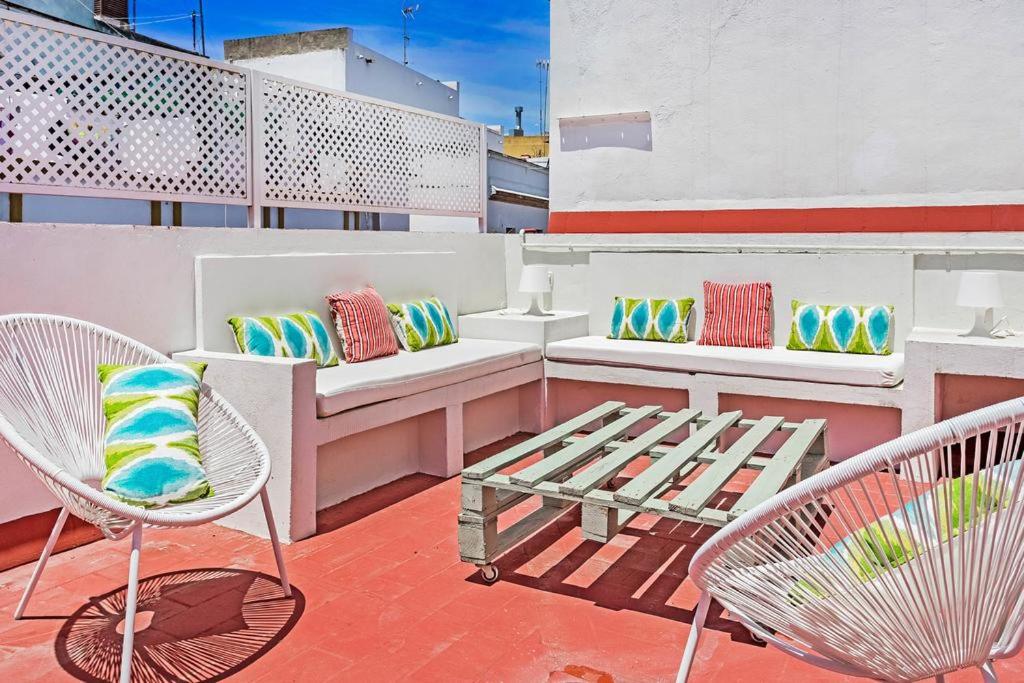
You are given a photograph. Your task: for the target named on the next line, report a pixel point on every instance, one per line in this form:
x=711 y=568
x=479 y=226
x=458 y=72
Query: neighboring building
x=106 y=16
x=527 y=146
x=806 y=116
x=332 y=59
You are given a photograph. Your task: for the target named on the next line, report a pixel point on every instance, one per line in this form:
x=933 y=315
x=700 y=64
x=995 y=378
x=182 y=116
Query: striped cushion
x=363 y=324
x=737 y=315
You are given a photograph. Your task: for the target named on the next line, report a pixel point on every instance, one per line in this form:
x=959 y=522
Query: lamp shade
x=979 y=289
x=535 y=279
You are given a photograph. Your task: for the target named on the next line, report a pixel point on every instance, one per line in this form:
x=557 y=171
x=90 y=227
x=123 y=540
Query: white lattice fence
x=318 y=148
x=86 y=114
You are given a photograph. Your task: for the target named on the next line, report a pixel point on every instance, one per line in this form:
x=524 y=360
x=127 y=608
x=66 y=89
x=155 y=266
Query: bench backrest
x=821 y=278
x=284 y=283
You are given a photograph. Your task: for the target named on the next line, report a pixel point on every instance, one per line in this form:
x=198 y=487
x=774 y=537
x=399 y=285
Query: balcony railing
x=87 y=114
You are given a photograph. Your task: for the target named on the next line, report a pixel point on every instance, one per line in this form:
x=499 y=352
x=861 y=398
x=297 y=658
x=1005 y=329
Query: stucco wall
x=140 y=281
x=936 y=276
x=774 y=103
x=386 y=79
x=323 y=67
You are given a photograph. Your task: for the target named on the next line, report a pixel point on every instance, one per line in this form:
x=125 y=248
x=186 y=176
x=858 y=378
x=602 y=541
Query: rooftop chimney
x=518 y=130
x=113 y=12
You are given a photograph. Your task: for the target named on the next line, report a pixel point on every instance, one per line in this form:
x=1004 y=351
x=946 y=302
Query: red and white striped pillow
x=737 y=315
x=364 y=325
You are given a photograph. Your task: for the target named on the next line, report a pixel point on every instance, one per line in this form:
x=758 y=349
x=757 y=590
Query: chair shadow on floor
x=643 y=578
x=200 y=625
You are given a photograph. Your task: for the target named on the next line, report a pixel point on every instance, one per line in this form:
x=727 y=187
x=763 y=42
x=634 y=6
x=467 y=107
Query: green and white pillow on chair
x=151 y=444
x=953 y=507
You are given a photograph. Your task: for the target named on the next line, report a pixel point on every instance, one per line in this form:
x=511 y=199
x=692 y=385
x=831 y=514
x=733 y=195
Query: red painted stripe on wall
x=978 y=218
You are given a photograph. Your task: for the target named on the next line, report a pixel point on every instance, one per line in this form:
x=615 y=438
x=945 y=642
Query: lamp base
x=983 y=324
x=535 y=308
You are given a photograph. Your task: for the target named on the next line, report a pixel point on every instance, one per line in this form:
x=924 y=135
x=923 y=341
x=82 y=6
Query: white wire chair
x=51 y=415
x=941 y=589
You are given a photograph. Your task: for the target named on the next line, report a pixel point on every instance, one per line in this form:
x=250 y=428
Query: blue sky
x=491 y=47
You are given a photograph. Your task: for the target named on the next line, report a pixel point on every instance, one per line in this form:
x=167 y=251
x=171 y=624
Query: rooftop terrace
x=455 y=488
x=380 y=595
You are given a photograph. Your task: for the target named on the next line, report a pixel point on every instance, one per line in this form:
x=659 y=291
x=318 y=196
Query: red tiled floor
x=382 y=596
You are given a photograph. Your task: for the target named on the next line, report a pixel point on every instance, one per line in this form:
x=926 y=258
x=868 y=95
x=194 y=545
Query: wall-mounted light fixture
x=368 y=60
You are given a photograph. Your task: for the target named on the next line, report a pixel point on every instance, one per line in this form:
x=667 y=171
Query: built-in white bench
x=860 y=394
x=336 y=432
x=775 y=363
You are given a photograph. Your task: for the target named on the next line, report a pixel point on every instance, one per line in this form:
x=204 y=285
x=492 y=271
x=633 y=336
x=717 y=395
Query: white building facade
x=665 y=111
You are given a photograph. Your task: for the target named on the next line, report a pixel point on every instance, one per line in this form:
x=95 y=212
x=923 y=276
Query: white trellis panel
x=320 y=148
x=82 y=113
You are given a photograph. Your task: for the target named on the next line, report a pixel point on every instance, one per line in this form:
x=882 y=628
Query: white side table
x=931 y=352
x=512 y=325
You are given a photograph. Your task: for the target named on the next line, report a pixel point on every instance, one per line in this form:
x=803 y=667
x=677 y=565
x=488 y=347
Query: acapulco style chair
x=51 y=415
x=952 y=601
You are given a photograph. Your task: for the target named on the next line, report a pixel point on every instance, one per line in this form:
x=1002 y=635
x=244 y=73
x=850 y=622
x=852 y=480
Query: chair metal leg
x=276 y=542
x=130 y=605
x=691 y=642
x=988 y=672
x=38 y=571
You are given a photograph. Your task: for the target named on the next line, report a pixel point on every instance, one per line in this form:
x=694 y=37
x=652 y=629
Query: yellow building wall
x=525 y=146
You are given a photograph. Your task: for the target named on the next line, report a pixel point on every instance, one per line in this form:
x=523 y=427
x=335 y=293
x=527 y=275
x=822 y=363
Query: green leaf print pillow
x=422 y=324
x=151 y=443
x=294 y=335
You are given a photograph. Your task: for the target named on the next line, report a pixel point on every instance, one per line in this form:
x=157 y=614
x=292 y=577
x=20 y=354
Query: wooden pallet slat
x=781 y=468
x=607 y=467
x=576 y=454
x=710 y=482
x=643 y=485
x=574 y=469
x=551 y=437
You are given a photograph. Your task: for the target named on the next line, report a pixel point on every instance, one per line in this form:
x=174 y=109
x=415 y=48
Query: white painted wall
x=140 y=281
x=774 y=103
x=327 y=67
x=386 y=79
x=936 y=277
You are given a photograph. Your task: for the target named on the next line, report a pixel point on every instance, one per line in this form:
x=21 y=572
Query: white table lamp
x=536 y=281
x=980 y=290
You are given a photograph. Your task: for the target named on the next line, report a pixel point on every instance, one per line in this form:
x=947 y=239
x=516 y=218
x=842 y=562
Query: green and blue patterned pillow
x=951 y=508
x=151 y=445
x=294 y=335
x=663 y=320
x=422 y=324
x=842 y=329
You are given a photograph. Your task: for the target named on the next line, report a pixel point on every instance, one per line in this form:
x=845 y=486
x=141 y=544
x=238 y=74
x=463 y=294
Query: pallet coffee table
x=561 y=479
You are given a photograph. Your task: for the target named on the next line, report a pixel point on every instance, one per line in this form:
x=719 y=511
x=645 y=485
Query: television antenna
x=543 y=66
x=408 y=12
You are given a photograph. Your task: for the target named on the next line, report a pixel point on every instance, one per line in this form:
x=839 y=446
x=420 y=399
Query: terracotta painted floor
x=381 y=596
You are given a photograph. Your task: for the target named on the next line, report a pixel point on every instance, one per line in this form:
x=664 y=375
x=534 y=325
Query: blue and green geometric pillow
x=422 y=324
x=663 y=320
x=151 y=444
x=951 y=508
x=295 y=335
x=841 y=329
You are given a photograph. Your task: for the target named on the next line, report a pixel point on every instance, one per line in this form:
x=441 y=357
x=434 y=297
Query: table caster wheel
x=489 y=573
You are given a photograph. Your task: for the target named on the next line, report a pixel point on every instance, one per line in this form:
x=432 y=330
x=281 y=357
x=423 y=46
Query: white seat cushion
x=775 y=363
x=358 y=384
